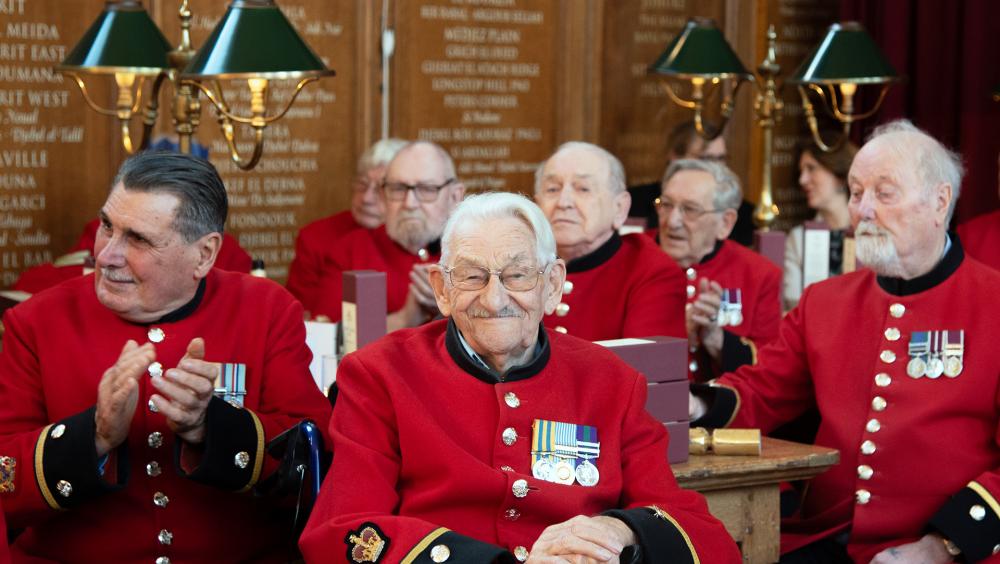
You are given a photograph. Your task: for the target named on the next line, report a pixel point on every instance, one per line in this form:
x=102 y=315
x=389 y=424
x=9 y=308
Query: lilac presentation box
x=677 y=452
x=660 y=359
x=663 y=360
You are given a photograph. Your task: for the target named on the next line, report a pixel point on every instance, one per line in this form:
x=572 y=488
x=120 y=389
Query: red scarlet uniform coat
x=368 y=249
x=57 y=346
x=314 y=246
x=421 y=459
x=626 y=288
x=981 y=238
x=914 y=452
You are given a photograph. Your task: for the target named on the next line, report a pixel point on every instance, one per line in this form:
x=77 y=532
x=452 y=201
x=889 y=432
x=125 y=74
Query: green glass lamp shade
x=122 y=39
x=846 y=54
x=699 y=50
x=255 y=40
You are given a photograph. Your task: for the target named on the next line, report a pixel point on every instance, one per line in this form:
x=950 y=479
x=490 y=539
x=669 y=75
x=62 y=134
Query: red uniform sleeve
x=656 y=303
x=971 y=518
x=359 y=495
x=672 y=524
x=775 y=390
x=232 y=456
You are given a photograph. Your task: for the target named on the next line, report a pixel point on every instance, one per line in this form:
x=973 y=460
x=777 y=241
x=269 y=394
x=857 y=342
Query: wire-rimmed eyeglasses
x=688 y=211
x=516 y=278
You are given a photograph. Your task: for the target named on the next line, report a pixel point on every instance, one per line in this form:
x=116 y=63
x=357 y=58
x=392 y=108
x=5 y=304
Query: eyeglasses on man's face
x=396 y=191
x=689 y=212
x=516 y=278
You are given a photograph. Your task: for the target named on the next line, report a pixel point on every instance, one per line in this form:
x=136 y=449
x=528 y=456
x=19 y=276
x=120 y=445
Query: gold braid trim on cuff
x=666 y=517
x=43 y=486
x=422 y=545
x=986 y=495
x=258 y=461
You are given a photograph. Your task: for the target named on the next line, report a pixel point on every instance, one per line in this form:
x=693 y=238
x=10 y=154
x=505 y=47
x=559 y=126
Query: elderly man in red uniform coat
x=487 y=438
x=318 y=240
x=418 y=194
x=901 y=360
x=135 y=402
x=733 y=293
x=615 y=286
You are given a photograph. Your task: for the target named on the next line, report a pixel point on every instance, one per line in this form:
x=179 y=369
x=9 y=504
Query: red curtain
x=949 y=55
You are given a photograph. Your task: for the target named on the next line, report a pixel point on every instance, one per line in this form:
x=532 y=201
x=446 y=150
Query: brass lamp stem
x=767 y=107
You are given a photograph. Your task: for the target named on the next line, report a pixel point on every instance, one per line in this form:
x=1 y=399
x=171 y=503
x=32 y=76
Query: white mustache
x=505 y=312
x=115 y=275
x=868 y=228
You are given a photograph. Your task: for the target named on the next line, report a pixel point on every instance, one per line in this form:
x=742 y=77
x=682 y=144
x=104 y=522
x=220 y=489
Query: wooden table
x=742 y=491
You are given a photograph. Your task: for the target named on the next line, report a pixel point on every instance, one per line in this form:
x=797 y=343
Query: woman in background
x=823 y=178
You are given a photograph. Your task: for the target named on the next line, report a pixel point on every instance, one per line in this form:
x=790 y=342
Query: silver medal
x=953 y=366
x=916 y=367
x=587 y=474
x=543 y=469
x=935 y=368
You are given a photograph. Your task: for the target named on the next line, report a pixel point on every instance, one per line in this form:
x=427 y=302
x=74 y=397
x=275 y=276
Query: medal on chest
x=933 y=353
x=731 y=309
x=563 y=453
x=231 y=383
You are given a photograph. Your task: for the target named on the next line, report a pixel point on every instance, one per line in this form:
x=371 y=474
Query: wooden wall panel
x=636 y=114
x=478 y=78
x=55 y=165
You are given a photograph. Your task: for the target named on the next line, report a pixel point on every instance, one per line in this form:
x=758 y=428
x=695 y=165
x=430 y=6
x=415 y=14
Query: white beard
x=876 y=250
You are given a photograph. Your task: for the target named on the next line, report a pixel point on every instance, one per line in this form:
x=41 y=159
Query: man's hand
x=702 y=317
x=928 y=550
x=186 y=391
x=582 y=540
x=420 y=287
x=117 y=395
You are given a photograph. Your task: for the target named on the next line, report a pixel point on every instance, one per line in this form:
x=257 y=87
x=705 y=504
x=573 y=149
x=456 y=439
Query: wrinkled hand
x=702 y=317
x=420 y=287
x=928 y=550
x=582 y=540
x=186 y=391
x=118 y=394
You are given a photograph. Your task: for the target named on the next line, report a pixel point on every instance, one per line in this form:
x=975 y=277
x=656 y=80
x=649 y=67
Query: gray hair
x=616 y=177
x=380 y=154
x=478 y=208
x=192 y=180
x=727 y=196
x=933 y=162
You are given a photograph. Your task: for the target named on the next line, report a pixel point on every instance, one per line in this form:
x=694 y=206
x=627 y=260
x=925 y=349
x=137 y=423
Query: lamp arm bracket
x=852 y=116
x=689 y=104
x=220 y=104
x=226 y=125
x=152 y=111
x=90 y=102
x=814 y=126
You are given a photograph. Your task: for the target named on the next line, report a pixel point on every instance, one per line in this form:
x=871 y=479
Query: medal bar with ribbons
x=562 y=453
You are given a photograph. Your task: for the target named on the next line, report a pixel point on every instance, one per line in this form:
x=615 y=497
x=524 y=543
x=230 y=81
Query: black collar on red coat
x=598 y=257
x=944 y=268
x=481 y=372
x=706 y=258
x=715 y=251
x=186 y=309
